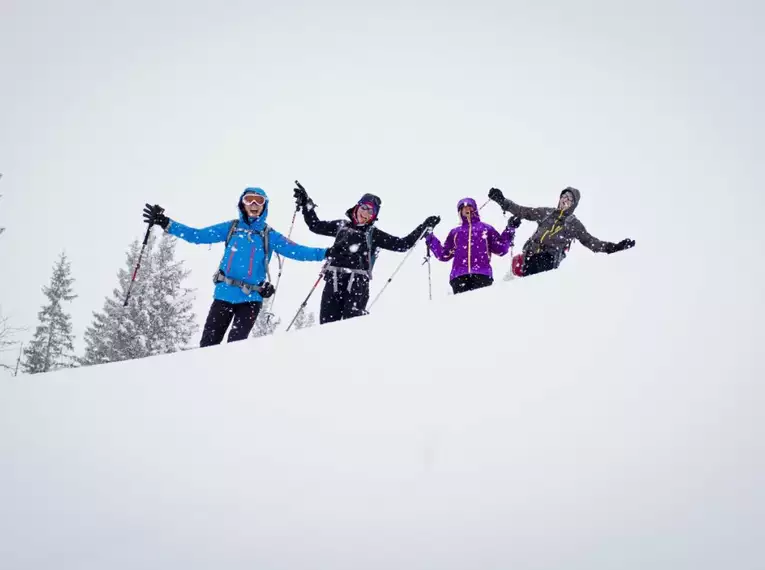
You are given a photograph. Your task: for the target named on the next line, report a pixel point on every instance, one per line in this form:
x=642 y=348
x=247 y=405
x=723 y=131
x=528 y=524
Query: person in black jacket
x=353 y=254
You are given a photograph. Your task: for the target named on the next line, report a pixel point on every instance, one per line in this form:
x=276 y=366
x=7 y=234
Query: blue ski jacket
x=244 y=258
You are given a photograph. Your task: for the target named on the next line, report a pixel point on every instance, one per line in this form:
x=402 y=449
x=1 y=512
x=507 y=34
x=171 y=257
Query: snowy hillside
x=547 y=423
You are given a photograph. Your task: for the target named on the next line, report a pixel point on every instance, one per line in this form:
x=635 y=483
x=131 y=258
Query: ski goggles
x=367 y=207
x=466 y=205
x=250 y=199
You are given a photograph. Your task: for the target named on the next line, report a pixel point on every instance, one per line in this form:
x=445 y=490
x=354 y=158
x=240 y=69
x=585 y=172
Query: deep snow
x=544 y=423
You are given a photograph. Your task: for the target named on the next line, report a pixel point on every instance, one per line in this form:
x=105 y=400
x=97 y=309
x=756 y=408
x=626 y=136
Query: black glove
x=621 y=246
x=301 y=197
x=154 y=216
x=431 y=222
x=513 y=222
x=497 y=195
x=330 y=252
x=266 y=290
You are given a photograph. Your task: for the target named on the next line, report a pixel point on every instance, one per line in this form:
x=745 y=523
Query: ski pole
x=281 y=261
x=430 y=280
x=400 y=265
x=315 y=285
x=138 y=263
x=486 y=203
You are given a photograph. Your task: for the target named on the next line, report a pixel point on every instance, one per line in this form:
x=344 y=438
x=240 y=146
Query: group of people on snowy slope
x=243 y=281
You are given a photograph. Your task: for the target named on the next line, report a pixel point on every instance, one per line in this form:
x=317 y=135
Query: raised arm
x=318 y=226
x=441 y=252
x=531 y=214
x=499 y=244
x=292 y=250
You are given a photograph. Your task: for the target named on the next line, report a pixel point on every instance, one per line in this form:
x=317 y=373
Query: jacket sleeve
x=532 y=214
x=288 y=248
x=500 y=244
x=587 y=240
x=318 y=226
x=391 y=243
x=212 y=234
x=441 y=253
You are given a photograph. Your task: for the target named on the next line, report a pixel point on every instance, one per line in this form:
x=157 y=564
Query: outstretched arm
x=318 y=226
x=589 y=241
x=290 y=249
x=441 y=252
x=386 y=241
x=211 y=234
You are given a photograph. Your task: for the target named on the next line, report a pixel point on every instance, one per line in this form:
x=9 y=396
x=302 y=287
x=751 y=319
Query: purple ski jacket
x=471 y=244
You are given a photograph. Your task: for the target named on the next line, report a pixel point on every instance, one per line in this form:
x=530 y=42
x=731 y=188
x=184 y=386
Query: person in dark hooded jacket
x=353 y=254
x=557 y=228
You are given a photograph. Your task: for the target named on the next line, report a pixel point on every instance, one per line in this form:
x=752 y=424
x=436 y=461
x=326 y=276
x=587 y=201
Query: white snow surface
x=545 y=423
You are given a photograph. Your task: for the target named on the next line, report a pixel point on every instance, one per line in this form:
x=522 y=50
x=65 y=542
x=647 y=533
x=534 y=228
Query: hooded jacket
x=351 y=248
x=556 y=229
x=244 y=258
x=471 y=244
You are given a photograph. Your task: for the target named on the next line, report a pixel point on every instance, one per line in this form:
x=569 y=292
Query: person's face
x=254 y=204
x=566 y=201
x=364 y=214
x=467 y=211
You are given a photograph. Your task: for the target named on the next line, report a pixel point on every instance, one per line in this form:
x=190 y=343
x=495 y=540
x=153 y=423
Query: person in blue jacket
x=242 y=279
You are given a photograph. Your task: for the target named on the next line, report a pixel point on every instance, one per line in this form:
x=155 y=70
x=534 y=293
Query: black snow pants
x=539 y=263
x=220 y=316
x=345 y=296
x=470 y=282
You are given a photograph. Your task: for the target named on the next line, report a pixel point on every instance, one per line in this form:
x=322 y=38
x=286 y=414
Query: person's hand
x=301 y=197
x=621 y=246
x=267 y=290
x=431 y=222
x=154 y=216
x=514 y=222
x=496 y=195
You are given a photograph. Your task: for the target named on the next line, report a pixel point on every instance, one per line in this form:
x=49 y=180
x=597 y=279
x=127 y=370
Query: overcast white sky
x=652 y=109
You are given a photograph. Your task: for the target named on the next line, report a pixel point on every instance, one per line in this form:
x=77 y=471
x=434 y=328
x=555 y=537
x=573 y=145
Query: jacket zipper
x=231 y=254
x=470 y=245
x=252 y=257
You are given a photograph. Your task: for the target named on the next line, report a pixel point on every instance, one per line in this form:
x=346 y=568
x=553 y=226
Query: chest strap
x=352 y=272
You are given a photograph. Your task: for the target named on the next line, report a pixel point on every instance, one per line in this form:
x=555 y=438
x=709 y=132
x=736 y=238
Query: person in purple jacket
x=471 y=245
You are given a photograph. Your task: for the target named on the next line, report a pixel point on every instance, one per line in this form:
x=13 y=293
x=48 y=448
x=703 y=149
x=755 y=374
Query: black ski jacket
x=351 y=249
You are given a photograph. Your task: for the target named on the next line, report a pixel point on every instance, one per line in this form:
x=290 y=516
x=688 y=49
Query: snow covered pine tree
x=52 y=346
x=158 y=319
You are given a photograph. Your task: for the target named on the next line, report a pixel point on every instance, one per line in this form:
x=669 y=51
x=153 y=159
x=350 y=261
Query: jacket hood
x=469 y=202
x=577 y=197
x=261 y=221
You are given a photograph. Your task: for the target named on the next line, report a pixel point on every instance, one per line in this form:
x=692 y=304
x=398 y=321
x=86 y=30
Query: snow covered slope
x=571 y=420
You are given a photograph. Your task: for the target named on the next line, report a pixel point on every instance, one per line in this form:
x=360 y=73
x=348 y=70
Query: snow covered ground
x=573 y=420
